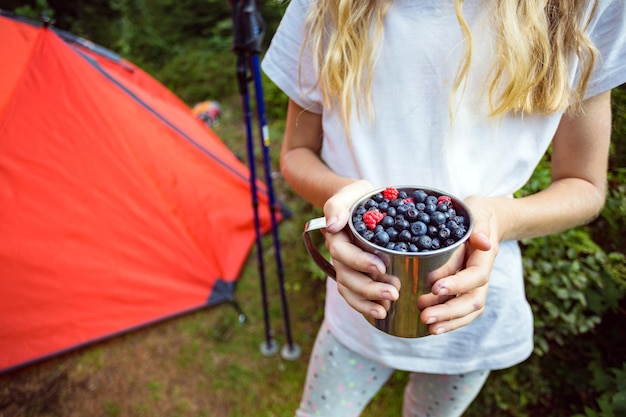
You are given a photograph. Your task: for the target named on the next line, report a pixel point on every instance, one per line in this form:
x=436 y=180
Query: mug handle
x=316 y=224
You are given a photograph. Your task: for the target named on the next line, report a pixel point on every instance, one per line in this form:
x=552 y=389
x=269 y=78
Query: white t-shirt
x=411 y=141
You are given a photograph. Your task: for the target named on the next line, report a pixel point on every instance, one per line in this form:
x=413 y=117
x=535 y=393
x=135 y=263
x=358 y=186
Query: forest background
x=208 y=363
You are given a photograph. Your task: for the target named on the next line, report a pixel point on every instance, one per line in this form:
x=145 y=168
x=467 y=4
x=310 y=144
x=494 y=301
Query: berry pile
x=409 y=220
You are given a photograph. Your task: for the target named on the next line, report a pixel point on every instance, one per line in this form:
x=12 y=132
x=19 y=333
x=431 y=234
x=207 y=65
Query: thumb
x=337 y=208
x=336 y=214
x=480 y=238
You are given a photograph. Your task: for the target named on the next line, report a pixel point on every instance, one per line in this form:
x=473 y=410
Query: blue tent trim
x=222 y=292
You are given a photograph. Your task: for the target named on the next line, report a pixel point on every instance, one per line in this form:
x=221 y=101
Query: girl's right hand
x=361 y=277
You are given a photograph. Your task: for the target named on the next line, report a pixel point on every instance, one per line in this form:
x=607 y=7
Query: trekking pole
x=291 y=350
x=253 y=27
x=269 y=347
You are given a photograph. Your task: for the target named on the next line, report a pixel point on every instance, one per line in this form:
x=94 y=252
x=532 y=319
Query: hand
x=361 y=277
x=466 y=280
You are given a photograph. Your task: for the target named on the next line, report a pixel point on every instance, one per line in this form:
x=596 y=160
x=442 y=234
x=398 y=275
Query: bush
x=576 y=287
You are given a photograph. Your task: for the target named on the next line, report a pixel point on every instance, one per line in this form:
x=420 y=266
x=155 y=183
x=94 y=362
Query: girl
x=462 y=96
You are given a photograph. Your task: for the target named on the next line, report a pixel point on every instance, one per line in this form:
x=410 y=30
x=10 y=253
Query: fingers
x=475 y=274
x=361 y=277
x=457 y=312
x=343 y=251
x=467 y=289
x=368 y=295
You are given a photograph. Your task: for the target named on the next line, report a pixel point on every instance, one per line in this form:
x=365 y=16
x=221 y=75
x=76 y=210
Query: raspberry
x=371 y=218
x=444 y=199
x=390 y=193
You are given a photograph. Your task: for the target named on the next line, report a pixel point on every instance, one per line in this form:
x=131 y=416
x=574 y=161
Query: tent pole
x=249 y=29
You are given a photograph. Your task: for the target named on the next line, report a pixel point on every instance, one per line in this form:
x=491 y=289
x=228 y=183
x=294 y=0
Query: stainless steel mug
x=416 y=270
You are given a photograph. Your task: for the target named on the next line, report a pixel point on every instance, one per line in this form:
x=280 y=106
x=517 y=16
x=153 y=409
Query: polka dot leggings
x=340 y=383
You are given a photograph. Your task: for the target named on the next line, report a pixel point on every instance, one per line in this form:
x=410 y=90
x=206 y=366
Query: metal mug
x=414 y=269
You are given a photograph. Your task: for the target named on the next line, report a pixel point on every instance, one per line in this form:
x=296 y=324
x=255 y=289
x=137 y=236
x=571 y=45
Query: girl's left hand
x=464 y=284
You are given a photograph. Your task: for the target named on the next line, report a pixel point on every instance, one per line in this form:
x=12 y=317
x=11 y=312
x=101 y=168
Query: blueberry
x=370 y=204
x=458 y=233
x=435 y=244
x=404 y=236
x=419 y=196
x=390 y=246
x=402 y=209
x=401 y=247
x=361 y=210
x=381 y=238
x=402 y=224
x=423 y=217
x=379 y=228
x=412 y=214
x=444 y=233
x=378 y=197
x=368 y=235
x=442 y=207
x=391 y=211
x=413 y=248
x=403 y=195
x=432 y=230
x=387 y=221
x=393 y=234
x=438 y=218
x=383 y=206
x=360 y=227
x=452 y=225
x=396 y=202
x=418 y=228
x=431 y=199
x=430 y=209
x=424 y=242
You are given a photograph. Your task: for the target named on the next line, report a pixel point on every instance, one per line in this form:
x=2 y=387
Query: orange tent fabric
x=118 y=207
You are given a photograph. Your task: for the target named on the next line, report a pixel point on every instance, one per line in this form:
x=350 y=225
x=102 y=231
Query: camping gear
x=208 y=111
x=249 y=29
x=416 y=270
x=118 y=207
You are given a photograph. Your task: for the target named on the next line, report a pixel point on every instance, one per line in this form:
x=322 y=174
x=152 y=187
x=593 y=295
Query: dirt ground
x=202 y=364
x=101 y=380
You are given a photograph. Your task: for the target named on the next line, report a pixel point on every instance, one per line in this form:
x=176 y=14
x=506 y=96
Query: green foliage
x=40 y=7
x=198 y=74
x=571 y=283
x=618 y=139
x=608 y=229
x=612 y=401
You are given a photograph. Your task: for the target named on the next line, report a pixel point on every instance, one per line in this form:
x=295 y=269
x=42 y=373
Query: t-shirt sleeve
x=608 y=32
x=288 y=64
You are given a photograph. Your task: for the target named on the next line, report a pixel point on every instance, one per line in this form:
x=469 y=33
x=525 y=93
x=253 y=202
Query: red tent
x=118 y=207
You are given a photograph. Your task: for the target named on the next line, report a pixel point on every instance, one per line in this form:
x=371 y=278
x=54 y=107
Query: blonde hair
x=535 y=39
